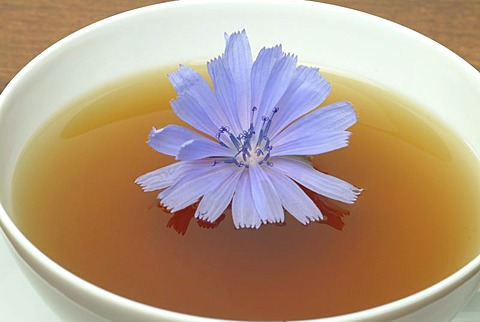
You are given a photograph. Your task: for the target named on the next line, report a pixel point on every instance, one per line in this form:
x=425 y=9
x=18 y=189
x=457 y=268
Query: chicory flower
x=260 y=122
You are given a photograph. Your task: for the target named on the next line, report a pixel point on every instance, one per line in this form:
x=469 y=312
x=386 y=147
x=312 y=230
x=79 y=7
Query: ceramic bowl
x=334 y=38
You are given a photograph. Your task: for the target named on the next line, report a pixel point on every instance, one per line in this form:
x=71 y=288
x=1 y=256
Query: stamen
x=234 y=141
x=267 y=156
x=267 y=128
x=222 y=130
x=259 y=138
x=254 y=109
x=269 y=123
x=223 y=144
x=246 y=143
x=251 y=129
x=242 y=135
x=242 y=142
x=267 y=141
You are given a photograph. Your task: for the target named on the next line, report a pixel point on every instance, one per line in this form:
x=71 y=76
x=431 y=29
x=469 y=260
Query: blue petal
x=318 y=132
x=243 y=209
x=312 y=143
x=202 y=148
x=169 y=139
x=190 y=111
x=307 y=90
x=278 y=80
x=261 y=70
x=197 y=97
x=166 y=176
x=292 y=197
x=316 y=181
x=265 y=199
x=214 y=203
x=225 y=91
x=160 y=178
x=238 y=57
x=190 y=187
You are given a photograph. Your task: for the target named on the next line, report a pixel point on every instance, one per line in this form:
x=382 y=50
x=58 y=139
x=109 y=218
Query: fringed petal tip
x=143 y=182
x=259 y=223
x=352 y=196
x=356 y=192
x=152 y=134
x=248 y=225
x=183 y=78
x=159 y=179
x=309 y=221
x=140 y=181
x=235 y=33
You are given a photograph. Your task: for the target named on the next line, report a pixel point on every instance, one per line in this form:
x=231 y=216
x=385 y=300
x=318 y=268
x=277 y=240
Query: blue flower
x=260 y=122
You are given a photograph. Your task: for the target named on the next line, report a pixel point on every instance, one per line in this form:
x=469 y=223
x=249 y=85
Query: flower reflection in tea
x=332 y=215
x=260 y=129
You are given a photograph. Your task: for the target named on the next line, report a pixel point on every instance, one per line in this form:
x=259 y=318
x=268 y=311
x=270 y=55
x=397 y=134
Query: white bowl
x=338 y=39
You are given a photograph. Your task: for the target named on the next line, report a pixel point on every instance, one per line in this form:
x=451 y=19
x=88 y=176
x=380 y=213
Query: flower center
x=251 y=147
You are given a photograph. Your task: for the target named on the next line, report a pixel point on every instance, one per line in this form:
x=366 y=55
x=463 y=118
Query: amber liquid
x=416 y=222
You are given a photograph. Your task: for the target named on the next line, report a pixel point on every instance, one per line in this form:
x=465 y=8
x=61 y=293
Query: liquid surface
x=415 y=223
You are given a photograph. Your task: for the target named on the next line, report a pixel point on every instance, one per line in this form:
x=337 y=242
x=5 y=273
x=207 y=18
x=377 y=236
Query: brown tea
x=416 y=222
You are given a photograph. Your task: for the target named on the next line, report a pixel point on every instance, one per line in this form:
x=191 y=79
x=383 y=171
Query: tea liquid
x=416 y=222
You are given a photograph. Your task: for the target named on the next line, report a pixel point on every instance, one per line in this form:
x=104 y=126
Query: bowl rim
x=56 y=275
